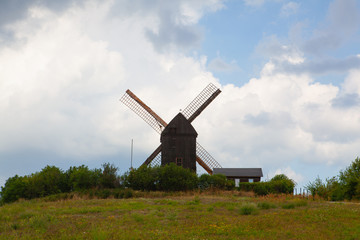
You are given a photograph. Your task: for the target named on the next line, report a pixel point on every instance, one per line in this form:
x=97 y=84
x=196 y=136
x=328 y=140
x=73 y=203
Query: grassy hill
x=219 y=215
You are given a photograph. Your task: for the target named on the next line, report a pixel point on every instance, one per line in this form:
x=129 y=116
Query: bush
x=281 y=184
x=108 y=177
x=103 y=193
x=266 y=205
x=13 y=189
x=288 y=206
x=261 y=188
x=81 y=178
x=145 y=178
x=350 y=180
x=331 y=189
x=176 y=178
x=277 y=185
x=128 y=193
x=217 y=181
x=248 y=209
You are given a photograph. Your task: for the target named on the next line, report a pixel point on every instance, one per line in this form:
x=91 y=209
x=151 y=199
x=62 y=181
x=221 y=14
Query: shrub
x=266 y=205
x=128 y=193
x=278 y=184
x=281 y=184
x=13 y=189
x=145 y=178
x=331 y=189
x=82 y=177
x=103 y=193
x=350 y=180
x=176 y=178
x=288 y=206
x=248 y=209
x=108 y=177
x=217 y=181
x=261 y=188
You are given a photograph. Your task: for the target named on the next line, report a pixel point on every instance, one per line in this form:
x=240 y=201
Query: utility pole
x=132 y=144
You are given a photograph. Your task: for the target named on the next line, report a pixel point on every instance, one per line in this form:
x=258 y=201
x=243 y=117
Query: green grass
x=180 y=216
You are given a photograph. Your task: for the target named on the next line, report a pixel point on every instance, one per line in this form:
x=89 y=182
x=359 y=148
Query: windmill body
x=178 y=141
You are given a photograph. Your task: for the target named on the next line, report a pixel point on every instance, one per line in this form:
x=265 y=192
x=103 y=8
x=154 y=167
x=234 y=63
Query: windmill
x=193 y=110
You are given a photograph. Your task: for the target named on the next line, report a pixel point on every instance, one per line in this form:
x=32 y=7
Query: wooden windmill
x=178 y=138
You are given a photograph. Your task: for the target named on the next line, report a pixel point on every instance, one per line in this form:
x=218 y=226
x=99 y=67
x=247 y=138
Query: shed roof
x=239 y=172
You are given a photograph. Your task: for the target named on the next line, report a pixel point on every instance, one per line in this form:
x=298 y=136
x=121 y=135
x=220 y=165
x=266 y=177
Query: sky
x=289 y=72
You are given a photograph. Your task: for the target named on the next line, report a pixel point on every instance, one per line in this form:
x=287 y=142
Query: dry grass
x=187 y=215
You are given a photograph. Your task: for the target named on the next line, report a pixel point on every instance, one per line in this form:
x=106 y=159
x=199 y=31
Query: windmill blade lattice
x=207 y=95
x=156 y=161
x=206 y=157
x=143 y=111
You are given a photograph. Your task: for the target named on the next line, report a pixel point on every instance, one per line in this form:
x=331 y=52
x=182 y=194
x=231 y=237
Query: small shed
x=240 y=174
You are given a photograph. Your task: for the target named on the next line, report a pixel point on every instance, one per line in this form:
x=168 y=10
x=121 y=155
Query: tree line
x=52 y=180
x=344 y=186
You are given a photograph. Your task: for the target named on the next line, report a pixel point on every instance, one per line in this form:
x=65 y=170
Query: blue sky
x=289 y=73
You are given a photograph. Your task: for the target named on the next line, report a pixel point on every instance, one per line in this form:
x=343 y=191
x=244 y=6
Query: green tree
x=13 y=189
x=81 y=178
x=109 y=178
x=50 y=180
x=218 y=181
x=350 y=180
x=281 y=184
x=144 y=178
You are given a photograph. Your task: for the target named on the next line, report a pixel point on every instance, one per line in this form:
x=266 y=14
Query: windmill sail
x=143 y=111
x=202 y=100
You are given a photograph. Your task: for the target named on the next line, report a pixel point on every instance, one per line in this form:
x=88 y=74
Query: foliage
x=13 y=190
x=176 y=178
x=144 y=178
x=266 y=205
x=109 y=178
x=344 y=186
x=331 y=189
x=80 y=178
x=52 y=180
x=281 y=184
x=350 y=180
x=248 y=209
x=216 y=181
x=278 y=184
x=165 y=178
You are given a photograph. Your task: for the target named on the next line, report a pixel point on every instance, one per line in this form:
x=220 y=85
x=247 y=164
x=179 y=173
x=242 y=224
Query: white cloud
x=218 y=64
x=62 y=80
x=290 y=173
x=289 y=8
x=342 y=22
x=254 y=3
x=277 y=118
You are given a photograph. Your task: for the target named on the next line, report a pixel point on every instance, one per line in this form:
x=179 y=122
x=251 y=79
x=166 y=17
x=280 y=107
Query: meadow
x=194 y=215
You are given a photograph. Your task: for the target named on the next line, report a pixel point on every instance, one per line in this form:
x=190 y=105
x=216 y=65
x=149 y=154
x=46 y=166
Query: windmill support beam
x=204 y=105
x=153 y=155
x=206 y=167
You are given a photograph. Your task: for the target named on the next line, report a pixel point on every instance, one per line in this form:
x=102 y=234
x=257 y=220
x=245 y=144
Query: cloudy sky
x=289 y=72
